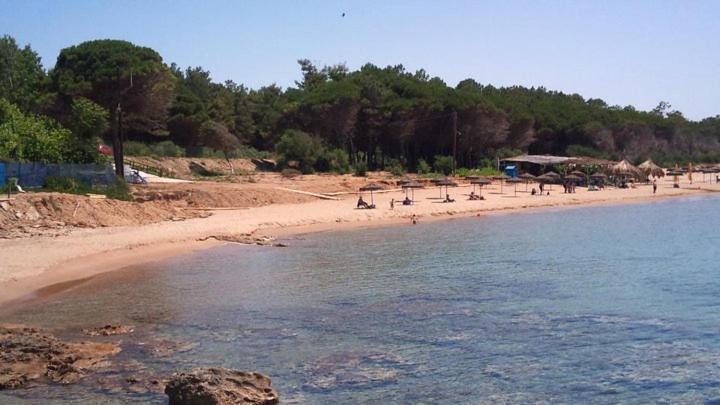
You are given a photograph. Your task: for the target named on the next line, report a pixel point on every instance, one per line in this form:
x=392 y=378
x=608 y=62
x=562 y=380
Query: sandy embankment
x=33 y=263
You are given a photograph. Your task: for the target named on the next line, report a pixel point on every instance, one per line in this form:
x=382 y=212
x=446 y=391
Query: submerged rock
x=217 y=385
x=29 y=354
x=108 y=330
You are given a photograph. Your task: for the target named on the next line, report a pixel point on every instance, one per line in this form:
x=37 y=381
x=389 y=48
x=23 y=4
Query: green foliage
x=21 y=74
x=443 y=164
x=395 y=167
x=166 y=149
x=67 y=185
x=332 y=160
x=360 y=168
x=133 y=148
x=580 y=150
x=423 y=167
x=379 y=113
x=33 y=139
x=159 y=149
x=109 y=72
x=299 y=148
x=118 y=190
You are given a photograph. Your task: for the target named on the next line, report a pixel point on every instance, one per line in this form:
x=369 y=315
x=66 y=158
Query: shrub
x=167 y=149
x=360 y=168
x=423 y=167
x=298 y=146
x=133 y=148
x=332 y=160
x=290 y=173
x=395 y=167
x=118 y=191
x=443 y=164
x=66 y=185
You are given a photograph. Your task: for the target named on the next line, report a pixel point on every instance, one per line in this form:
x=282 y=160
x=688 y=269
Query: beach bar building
x=535 y=164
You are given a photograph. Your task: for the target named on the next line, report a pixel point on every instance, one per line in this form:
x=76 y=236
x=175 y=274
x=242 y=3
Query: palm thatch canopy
x=573 y=178
x=598 y=176
x=502 y=176
x=578 y=173
x=649 y=168
x=412 y=184
x=527 y=176
x=625 y=168
x=371 y=187
x=512 y=180
x=446 y=183
x=481 y=181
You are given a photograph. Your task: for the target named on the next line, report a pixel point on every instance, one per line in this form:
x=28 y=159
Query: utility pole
x=455 y=132
x=118 y=152
x=118 y=144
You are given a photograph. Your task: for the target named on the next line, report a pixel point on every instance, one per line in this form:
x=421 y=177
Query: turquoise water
x=590 y=305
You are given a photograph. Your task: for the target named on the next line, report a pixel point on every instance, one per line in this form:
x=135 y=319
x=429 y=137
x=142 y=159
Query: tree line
x=331 y=119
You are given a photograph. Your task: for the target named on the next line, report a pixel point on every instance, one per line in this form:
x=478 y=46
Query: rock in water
x=29 y=354
x=220 y=386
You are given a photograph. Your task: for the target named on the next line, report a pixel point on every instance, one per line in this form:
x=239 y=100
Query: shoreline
x=76 y=266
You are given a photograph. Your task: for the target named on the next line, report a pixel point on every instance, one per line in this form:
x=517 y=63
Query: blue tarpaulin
x=34 y=174
x=2 y=174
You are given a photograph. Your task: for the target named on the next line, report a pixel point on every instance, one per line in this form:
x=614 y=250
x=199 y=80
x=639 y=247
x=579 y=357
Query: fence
x=34 y=174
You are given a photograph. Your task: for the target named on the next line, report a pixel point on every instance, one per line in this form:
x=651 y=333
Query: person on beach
x=448 y=199
x=541 y=187
x=392 y=204
x=654 y=186
x=361 y=203
x=414 y=219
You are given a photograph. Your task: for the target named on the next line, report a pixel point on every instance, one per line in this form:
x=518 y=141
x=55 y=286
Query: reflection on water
x=604 y=305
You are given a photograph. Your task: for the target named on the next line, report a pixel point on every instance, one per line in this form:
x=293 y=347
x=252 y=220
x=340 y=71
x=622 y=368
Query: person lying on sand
x=474 y=196
x=362 y=204
x=448 y=199
x=407 y=201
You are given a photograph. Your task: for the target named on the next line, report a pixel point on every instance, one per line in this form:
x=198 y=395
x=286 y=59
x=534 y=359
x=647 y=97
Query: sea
x=603 y=304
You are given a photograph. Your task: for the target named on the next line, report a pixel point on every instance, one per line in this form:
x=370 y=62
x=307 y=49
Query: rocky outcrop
x=28 y=354
x=220 y=386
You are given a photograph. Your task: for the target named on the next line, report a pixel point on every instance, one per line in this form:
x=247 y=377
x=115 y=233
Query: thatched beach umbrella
x=445 y=183
x=528 y=178
x=649 y=168
x=598 y=177
x=548 y=178
x=626 y=169
x=371 y=187
x=411 y=185
x=578 y=173
x=514 y=181
x=481 y=181
x=501 y=177
x=573 y=178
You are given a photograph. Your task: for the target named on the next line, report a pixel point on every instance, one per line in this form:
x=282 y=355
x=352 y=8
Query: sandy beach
x=35 y=263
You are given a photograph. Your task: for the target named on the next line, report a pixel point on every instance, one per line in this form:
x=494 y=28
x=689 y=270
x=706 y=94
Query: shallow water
x=592 y=305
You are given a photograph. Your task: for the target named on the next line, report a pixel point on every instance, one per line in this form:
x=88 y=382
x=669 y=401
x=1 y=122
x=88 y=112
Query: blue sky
x=625 y=52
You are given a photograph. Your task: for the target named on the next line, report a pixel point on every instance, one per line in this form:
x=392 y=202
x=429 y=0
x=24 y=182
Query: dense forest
x=333 y=118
